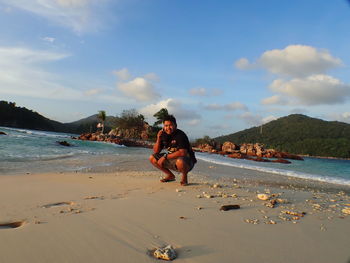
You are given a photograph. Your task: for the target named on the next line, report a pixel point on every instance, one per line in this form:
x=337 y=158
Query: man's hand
x=161 y=161
x=159 y=134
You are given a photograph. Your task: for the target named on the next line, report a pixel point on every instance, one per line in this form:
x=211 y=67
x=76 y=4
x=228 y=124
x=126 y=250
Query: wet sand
x=106 y=215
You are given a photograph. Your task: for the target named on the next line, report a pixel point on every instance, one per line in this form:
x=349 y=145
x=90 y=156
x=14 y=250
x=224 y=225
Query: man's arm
x=158 y=145
x=177 y=154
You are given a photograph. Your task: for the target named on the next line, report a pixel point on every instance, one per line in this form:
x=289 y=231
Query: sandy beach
x=122 y=216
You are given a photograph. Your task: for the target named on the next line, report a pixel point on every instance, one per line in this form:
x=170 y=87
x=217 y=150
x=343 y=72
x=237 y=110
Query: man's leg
x=170 y=175
x=183 y=168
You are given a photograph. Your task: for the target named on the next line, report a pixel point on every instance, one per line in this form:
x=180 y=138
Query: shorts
x=171 y=163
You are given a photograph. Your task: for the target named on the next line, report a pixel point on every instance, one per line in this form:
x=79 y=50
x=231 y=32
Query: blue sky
x=218 y=66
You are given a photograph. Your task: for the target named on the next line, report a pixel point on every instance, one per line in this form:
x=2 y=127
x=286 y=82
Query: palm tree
x=102 y=117
x=160 y=116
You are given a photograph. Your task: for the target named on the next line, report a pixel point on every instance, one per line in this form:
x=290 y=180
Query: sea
x=24 y=151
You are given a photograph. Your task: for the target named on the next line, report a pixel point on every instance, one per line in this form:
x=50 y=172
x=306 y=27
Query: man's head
x=169 y=124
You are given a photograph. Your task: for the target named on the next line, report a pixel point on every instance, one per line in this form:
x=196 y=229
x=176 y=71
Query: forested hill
x=20 y=117
x=298 y=134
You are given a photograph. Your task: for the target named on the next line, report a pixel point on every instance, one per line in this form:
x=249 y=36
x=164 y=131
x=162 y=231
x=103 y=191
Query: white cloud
x=227 y=107
x=294 y=61
x=78 y=15
x=243 y=63
x=200 y=91
x=151 y=76
x=312 y=90
x=139 y=89
x=122 y=74
x=343 y=117
x=251 y=118
x=275 y=99
x=268 y=119
x=93 y=92
x=174 y=107
x=22 y=73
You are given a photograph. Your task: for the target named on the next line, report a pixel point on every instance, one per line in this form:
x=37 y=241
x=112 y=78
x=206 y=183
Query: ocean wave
x=289 y=173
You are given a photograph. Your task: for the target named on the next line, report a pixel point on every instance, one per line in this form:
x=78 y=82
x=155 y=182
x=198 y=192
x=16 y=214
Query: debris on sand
x=165 y=253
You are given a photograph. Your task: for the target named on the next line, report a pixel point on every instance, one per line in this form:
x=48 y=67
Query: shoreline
x=104 y=216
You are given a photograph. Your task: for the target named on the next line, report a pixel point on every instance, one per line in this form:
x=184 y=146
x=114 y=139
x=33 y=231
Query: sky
x=218 y=66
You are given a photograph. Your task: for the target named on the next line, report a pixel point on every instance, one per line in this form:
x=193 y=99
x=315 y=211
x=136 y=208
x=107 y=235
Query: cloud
x=312 y=90
x=93 y=92
x=174 y=107
x=275 y=99
x=151 y=76
x=139 y=89
x=79 y=15
x=243 y=63
x=227 y=107
x=294 y=61
x=122 y=74
x=343 y=117
x=22 y=73
x=199 y=91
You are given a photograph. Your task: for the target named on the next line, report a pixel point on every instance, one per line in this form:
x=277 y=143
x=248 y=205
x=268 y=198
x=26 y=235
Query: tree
x=160 y=116
x=131 y=119
x=102 y=117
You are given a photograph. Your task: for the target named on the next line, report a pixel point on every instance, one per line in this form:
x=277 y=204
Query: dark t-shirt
x=175 y=141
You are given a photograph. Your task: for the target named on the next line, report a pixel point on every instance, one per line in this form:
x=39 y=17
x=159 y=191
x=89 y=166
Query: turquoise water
x=27 y=150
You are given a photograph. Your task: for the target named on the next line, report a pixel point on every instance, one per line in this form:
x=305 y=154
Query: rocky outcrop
x=133 y=133
x=229 y=147
x=115 y=139
x=2 y=133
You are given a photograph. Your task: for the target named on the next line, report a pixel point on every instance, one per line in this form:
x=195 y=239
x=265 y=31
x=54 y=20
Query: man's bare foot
x=183 y=183
x=167 y=179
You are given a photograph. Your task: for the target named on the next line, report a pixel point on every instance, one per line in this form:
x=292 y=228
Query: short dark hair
x=170 y=118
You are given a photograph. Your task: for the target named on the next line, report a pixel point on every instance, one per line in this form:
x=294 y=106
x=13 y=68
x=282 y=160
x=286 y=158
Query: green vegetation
x=130 y=119
x=160 y=116
x=298 y=134
x=102 y=117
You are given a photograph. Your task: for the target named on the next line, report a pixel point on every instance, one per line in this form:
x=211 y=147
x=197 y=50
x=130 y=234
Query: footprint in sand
x=9 y=225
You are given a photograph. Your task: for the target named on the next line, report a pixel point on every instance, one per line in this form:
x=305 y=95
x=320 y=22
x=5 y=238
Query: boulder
x=205 y=147
x=236 y=155
x=64 y=143
x=229 y=147
x=2 y=133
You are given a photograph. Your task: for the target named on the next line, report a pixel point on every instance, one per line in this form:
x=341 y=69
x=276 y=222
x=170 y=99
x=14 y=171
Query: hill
x=20 y=117
x=298 y=134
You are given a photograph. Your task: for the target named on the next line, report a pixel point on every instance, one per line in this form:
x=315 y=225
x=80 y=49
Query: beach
x=123 y=215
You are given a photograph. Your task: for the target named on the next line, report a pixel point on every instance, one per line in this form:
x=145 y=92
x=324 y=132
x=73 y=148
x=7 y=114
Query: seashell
x=346 y=210
x=263 y=197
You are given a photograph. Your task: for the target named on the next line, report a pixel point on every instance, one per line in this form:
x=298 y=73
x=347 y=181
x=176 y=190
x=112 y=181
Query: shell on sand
x=263 y=197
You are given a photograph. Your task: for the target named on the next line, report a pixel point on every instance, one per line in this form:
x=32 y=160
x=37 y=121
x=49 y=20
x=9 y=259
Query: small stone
x=166 y=253
x=199 y=208
x=229 y=207
x=198 y=196
x=216 y=186
x=263 y=197
x=346 y=210
x=178 y=190
x=234 y=196
x=208 y=196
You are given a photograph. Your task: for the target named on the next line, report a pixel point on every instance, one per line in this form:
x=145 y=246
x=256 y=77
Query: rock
x=2 y=133
x=346 y=210
x=281 y=161
x=166 y=253
x=271 y=203
x=64 y=143
x=263 y=197
x=206 y=148
x=236 y=155
x=229 y=207
x=229 y=147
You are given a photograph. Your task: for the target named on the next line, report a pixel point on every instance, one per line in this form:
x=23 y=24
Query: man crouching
x=178 y=156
